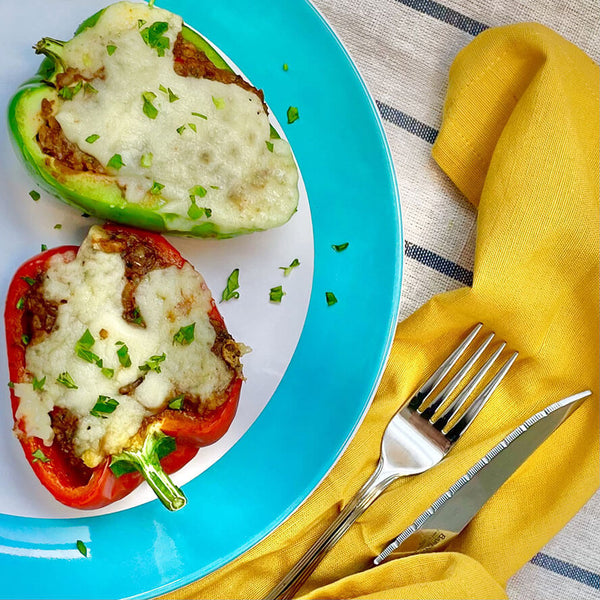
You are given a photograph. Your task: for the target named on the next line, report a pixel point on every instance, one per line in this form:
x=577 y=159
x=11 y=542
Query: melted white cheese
x=247 y=185
x=91 y=284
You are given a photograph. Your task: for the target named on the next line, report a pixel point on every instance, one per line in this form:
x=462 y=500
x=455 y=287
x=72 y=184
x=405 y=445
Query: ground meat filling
x=53 y=143
x=64 y=425
x=39 y=314
x=192 y=62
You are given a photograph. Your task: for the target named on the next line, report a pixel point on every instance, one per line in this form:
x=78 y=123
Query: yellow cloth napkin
x=520 y=140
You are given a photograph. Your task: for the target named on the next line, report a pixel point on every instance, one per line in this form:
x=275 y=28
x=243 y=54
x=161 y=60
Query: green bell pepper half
x=94 y=195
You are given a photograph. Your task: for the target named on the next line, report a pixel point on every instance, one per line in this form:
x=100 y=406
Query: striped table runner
x=403 y=49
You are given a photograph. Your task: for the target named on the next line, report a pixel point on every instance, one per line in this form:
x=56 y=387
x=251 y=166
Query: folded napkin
x=520 y=140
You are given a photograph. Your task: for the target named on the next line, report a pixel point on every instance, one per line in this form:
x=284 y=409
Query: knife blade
x=452 y=511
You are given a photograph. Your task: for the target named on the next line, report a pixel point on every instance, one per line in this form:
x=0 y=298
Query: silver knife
x=452 y=511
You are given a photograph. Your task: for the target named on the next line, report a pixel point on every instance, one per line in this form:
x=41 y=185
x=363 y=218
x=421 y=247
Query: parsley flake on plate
x=287 y=270
x=232 y=286
x=330 y=298
x=276 y=294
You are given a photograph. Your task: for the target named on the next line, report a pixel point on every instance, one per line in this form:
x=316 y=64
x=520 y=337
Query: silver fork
x=417 y=438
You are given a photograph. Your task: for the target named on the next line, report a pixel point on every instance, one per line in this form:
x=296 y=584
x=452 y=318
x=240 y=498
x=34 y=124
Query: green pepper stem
x=146 y=460
x=53 y=49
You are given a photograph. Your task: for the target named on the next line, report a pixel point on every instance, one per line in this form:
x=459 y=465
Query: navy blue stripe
x=567 y=570
x=412 y=125
x=439 y=263
x=447 y=15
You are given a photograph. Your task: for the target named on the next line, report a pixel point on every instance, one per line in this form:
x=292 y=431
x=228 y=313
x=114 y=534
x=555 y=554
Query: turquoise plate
x=345 y=161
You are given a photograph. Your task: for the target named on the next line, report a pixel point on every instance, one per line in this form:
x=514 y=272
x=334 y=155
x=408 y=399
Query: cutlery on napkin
x=454 y=509
x=520 y=139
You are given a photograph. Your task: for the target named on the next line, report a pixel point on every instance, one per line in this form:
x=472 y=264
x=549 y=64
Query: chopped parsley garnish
x=169 y=92
x=287 y=270
x=90 y=139
x=66 y=380
x=86 y=341
x=83 y=351
x=110 y=49
x=292 y=114
x=39 y=456
x=38 y=384
x=123 y=354
x=35 y=195
x=20 y=303
x=58 y=226
x=331 y=299
x=153 y=363
x=28 y=280
x=11 y=385
x=115 y=162
x=149 y=109
x=192 y=126
x=181 y=129
x=136 y=316
x=198 y=190
x=215 y=187
x=43 y=247
x=285 y=66
x=153 y=36
x=146 y=160
x=82 y=548
x=232 y=286
x=219 y=103
x=104 y=406
x=269 y=146
x=88 y=88
x=197 y=114
x=340 y=247
x=177 y=402
x=276 y=294
x=196 y=212
x=25 y=339
x=141 y=23
x=156 y=188
x=185 y=335
x=68 y=93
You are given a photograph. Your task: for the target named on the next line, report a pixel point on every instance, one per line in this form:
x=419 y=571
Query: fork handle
x=300 y=572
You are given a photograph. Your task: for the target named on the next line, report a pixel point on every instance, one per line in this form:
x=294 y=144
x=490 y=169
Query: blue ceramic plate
x=340 y=146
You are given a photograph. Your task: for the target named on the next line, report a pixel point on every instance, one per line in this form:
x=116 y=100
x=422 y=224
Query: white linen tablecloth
x=403 y=50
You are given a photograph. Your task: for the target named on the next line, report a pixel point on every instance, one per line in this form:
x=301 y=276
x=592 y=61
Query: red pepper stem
x=168 y=493
x=146 y=460
x=53 y=49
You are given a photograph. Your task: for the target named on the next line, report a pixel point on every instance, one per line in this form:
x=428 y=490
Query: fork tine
x=461 y=398
x=479 y=402
x=425 y=390
x=453 y=383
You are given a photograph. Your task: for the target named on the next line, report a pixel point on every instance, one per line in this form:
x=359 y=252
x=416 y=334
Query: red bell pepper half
x=171 y=443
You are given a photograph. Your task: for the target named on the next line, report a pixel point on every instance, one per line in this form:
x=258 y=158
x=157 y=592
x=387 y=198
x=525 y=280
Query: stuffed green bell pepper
x=138 y=120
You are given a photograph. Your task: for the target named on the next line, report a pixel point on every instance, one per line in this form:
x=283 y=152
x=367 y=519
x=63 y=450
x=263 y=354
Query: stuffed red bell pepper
x=121 y=366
